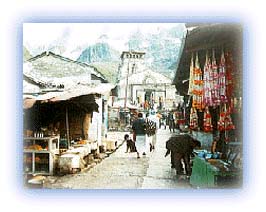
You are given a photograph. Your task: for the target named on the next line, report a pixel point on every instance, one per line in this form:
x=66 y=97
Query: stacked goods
x=42 y=160
x=27 y=159
x=35 y=147
x=82 y=142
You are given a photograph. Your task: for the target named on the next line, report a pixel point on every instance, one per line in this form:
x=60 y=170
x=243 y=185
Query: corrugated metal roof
x=50 y=69
x=102 y=89
x=80 y=90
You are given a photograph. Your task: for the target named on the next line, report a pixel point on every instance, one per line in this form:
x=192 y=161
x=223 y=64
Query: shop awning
x=79 y=90
x=102 y=89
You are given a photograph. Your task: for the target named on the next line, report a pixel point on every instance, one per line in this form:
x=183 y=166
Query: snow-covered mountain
x=99 y=52
x=161 y=47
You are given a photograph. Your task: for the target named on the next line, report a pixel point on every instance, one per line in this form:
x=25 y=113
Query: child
x=126 y=139
x=130 y=144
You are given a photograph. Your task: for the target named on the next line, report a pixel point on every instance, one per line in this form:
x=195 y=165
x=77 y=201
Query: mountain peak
x=99 y=52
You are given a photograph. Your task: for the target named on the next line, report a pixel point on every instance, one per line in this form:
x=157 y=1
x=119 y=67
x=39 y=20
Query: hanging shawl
x=207 y=97
x=225 y=122
x=197 y=86
x=229 y=76
x=211 y=83
x=228 y=120
x=222 y=80
x=207 y=121
x=191 y=77
x=193 y=123
x=215 y=81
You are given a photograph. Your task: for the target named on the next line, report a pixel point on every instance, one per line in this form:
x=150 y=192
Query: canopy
x=79 y=90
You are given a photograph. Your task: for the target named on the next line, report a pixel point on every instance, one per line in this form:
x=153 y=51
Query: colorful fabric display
x=229 y=76
x=193 y=123
x=225 y=121
x=212 y=88
x=214 y=82
x=207 y=82
x=191 y=76
x=207 y=121
x=211 y=82
x=197 y=92
x=222 y=80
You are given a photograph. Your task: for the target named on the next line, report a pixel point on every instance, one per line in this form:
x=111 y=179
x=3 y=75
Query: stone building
x=59 y=90
x=140 y=86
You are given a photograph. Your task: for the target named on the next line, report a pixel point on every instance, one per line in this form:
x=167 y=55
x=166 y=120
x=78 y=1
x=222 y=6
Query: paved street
x=124 y=171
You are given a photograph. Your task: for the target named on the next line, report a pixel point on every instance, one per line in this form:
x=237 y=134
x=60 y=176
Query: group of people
x=144 y=137
x=168 y=119
x=144 y=133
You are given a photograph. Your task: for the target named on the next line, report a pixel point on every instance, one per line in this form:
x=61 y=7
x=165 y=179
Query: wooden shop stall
x=209 y=76
x=56 y=130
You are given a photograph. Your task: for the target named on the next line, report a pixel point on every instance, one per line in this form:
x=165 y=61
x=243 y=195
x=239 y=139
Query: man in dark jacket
x=171 y=122
x=139 y=129
x=181 y=147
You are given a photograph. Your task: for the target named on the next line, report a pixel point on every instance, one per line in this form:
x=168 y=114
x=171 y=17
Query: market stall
x=51 y=125
x=211 y=172
x=40 y=155
x=209 y=75
x=77 y=156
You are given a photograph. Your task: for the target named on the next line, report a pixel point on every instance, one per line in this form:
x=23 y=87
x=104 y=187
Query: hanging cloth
x=207 y=121
x=197 y=101
x=222 y=80
x=221 y=121
x=225 y=121
x=214 y=81
x=207 y=97
x=191 y=77
x=228 y=120
x=229 y=77
x=193 y=123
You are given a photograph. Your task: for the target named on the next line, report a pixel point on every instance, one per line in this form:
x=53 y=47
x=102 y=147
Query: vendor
x=181 y=147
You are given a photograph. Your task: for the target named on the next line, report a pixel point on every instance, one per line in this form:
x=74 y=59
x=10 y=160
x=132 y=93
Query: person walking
x=171 y=122
x=154 y=126
x=139 y=129
x=164 y=120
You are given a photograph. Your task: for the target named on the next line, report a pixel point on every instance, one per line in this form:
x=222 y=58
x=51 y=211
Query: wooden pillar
x=86 y=125
x=67 y=127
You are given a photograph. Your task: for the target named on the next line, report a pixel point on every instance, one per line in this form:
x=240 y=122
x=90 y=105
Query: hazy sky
x=74 y=36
